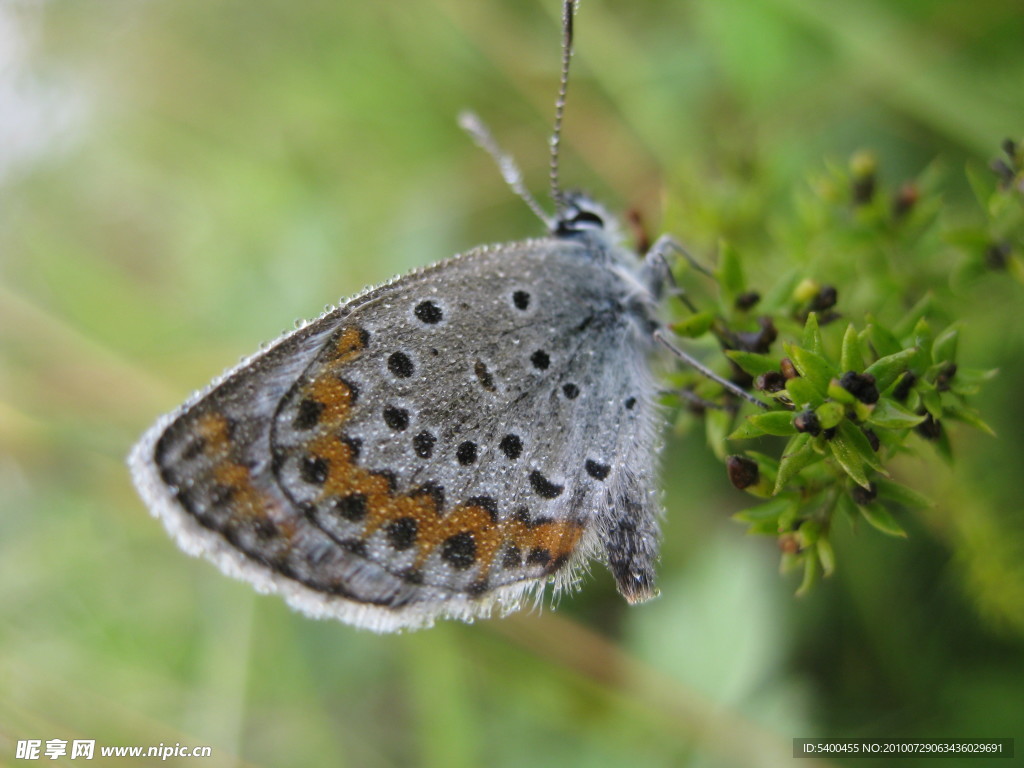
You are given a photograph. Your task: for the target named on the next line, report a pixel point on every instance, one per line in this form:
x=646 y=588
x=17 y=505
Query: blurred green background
x=179 y=181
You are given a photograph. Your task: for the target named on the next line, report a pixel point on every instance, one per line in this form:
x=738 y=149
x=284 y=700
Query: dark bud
x=1002 y=169
x=860 y=385
x=773 y=381
x=863 y=189
x=905 y=200
x=864 y=169
x=872 y=439
x=788 y=369
x=747 y=300
x=758 y=341
x=789 y=543
x=945 y=377
x=1010 y=148
x=807 y=421
x=824 y=299
x=996 y=255
x=768 y=332
x=863 y=495
x=929 y=429
x=904 y=385
x=743 y=472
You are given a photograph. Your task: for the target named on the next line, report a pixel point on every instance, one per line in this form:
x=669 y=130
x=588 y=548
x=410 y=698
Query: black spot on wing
x=544 y=487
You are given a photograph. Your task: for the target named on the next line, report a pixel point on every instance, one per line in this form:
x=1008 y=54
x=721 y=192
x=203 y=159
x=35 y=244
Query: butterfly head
x=579 y=215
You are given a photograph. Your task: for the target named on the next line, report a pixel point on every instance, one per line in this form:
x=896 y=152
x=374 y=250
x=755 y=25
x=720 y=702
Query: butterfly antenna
x=568 y=11
x=475 y=127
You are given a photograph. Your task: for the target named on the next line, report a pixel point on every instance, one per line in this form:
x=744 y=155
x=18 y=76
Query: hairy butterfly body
x=444 y=445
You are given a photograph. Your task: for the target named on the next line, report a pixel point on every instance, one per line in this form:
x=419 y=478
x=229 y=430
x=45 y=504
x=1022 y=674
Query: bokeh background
x=180 y=181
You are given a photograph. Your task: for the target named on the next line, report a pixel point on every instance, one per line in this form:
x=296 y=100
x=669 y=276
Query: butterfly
x=444 y=445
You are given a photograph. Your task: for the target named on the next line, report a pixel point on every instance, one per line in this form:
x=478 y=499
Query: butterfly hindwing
x=435 y=447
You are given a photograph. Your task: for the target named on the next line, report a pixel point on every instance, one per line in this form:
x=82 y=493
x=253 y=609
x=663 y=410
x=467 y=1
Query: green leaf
x=826 y=555
x=778 y=295
x=853 y=452
x=716 y=427
x=774 y=423
x=747 y=430
x=803 y=393
x=840 y=393
x=694 y=325
x=798 y=454
x=922 y=334
x=909 y=321
x=808 y=533
x=849 y=458
x=971 y=239
x=1016 y=268
x=851 y=359
x=944 y=447
x=976 y=375
x=768 y=465
x=944 y=347
x=762 y=528
x=789 y=517
x=771 y=510
x=968 y=381
x=730 y=272
x=901 y=494
x=752 y=363
x=879 y=517
x=883 y=341
x=812 y=569
x=789 y=561
x=982 y=184
x=910 y=390
x=846 y=507
x=812 y=367
x=964 y=390
x=861 y=411
x=812 y=334
x=889 y=414
x=887 y=369
x=968 y=416
x=856 y=438
x=932 y=402
x=830 y=414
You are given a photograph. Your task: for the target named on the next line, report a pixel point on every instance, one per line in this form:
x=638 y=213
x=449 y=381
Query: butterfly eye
x=580 y=221
x=587 y=220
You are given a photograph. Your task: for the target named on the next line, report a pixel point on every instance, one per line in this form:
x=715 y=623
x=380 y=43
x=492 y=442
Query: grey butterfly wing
x=435 y=447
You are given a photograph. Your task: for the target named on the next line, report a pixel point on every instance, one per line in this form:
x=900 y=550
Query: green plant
x=849 y=384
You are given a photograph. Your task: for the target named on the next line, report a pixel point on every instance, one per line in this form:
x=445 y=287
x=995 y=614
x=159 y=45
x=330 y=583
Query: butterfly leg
x=656 y=272
x=666 y=244
x=703 y=370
